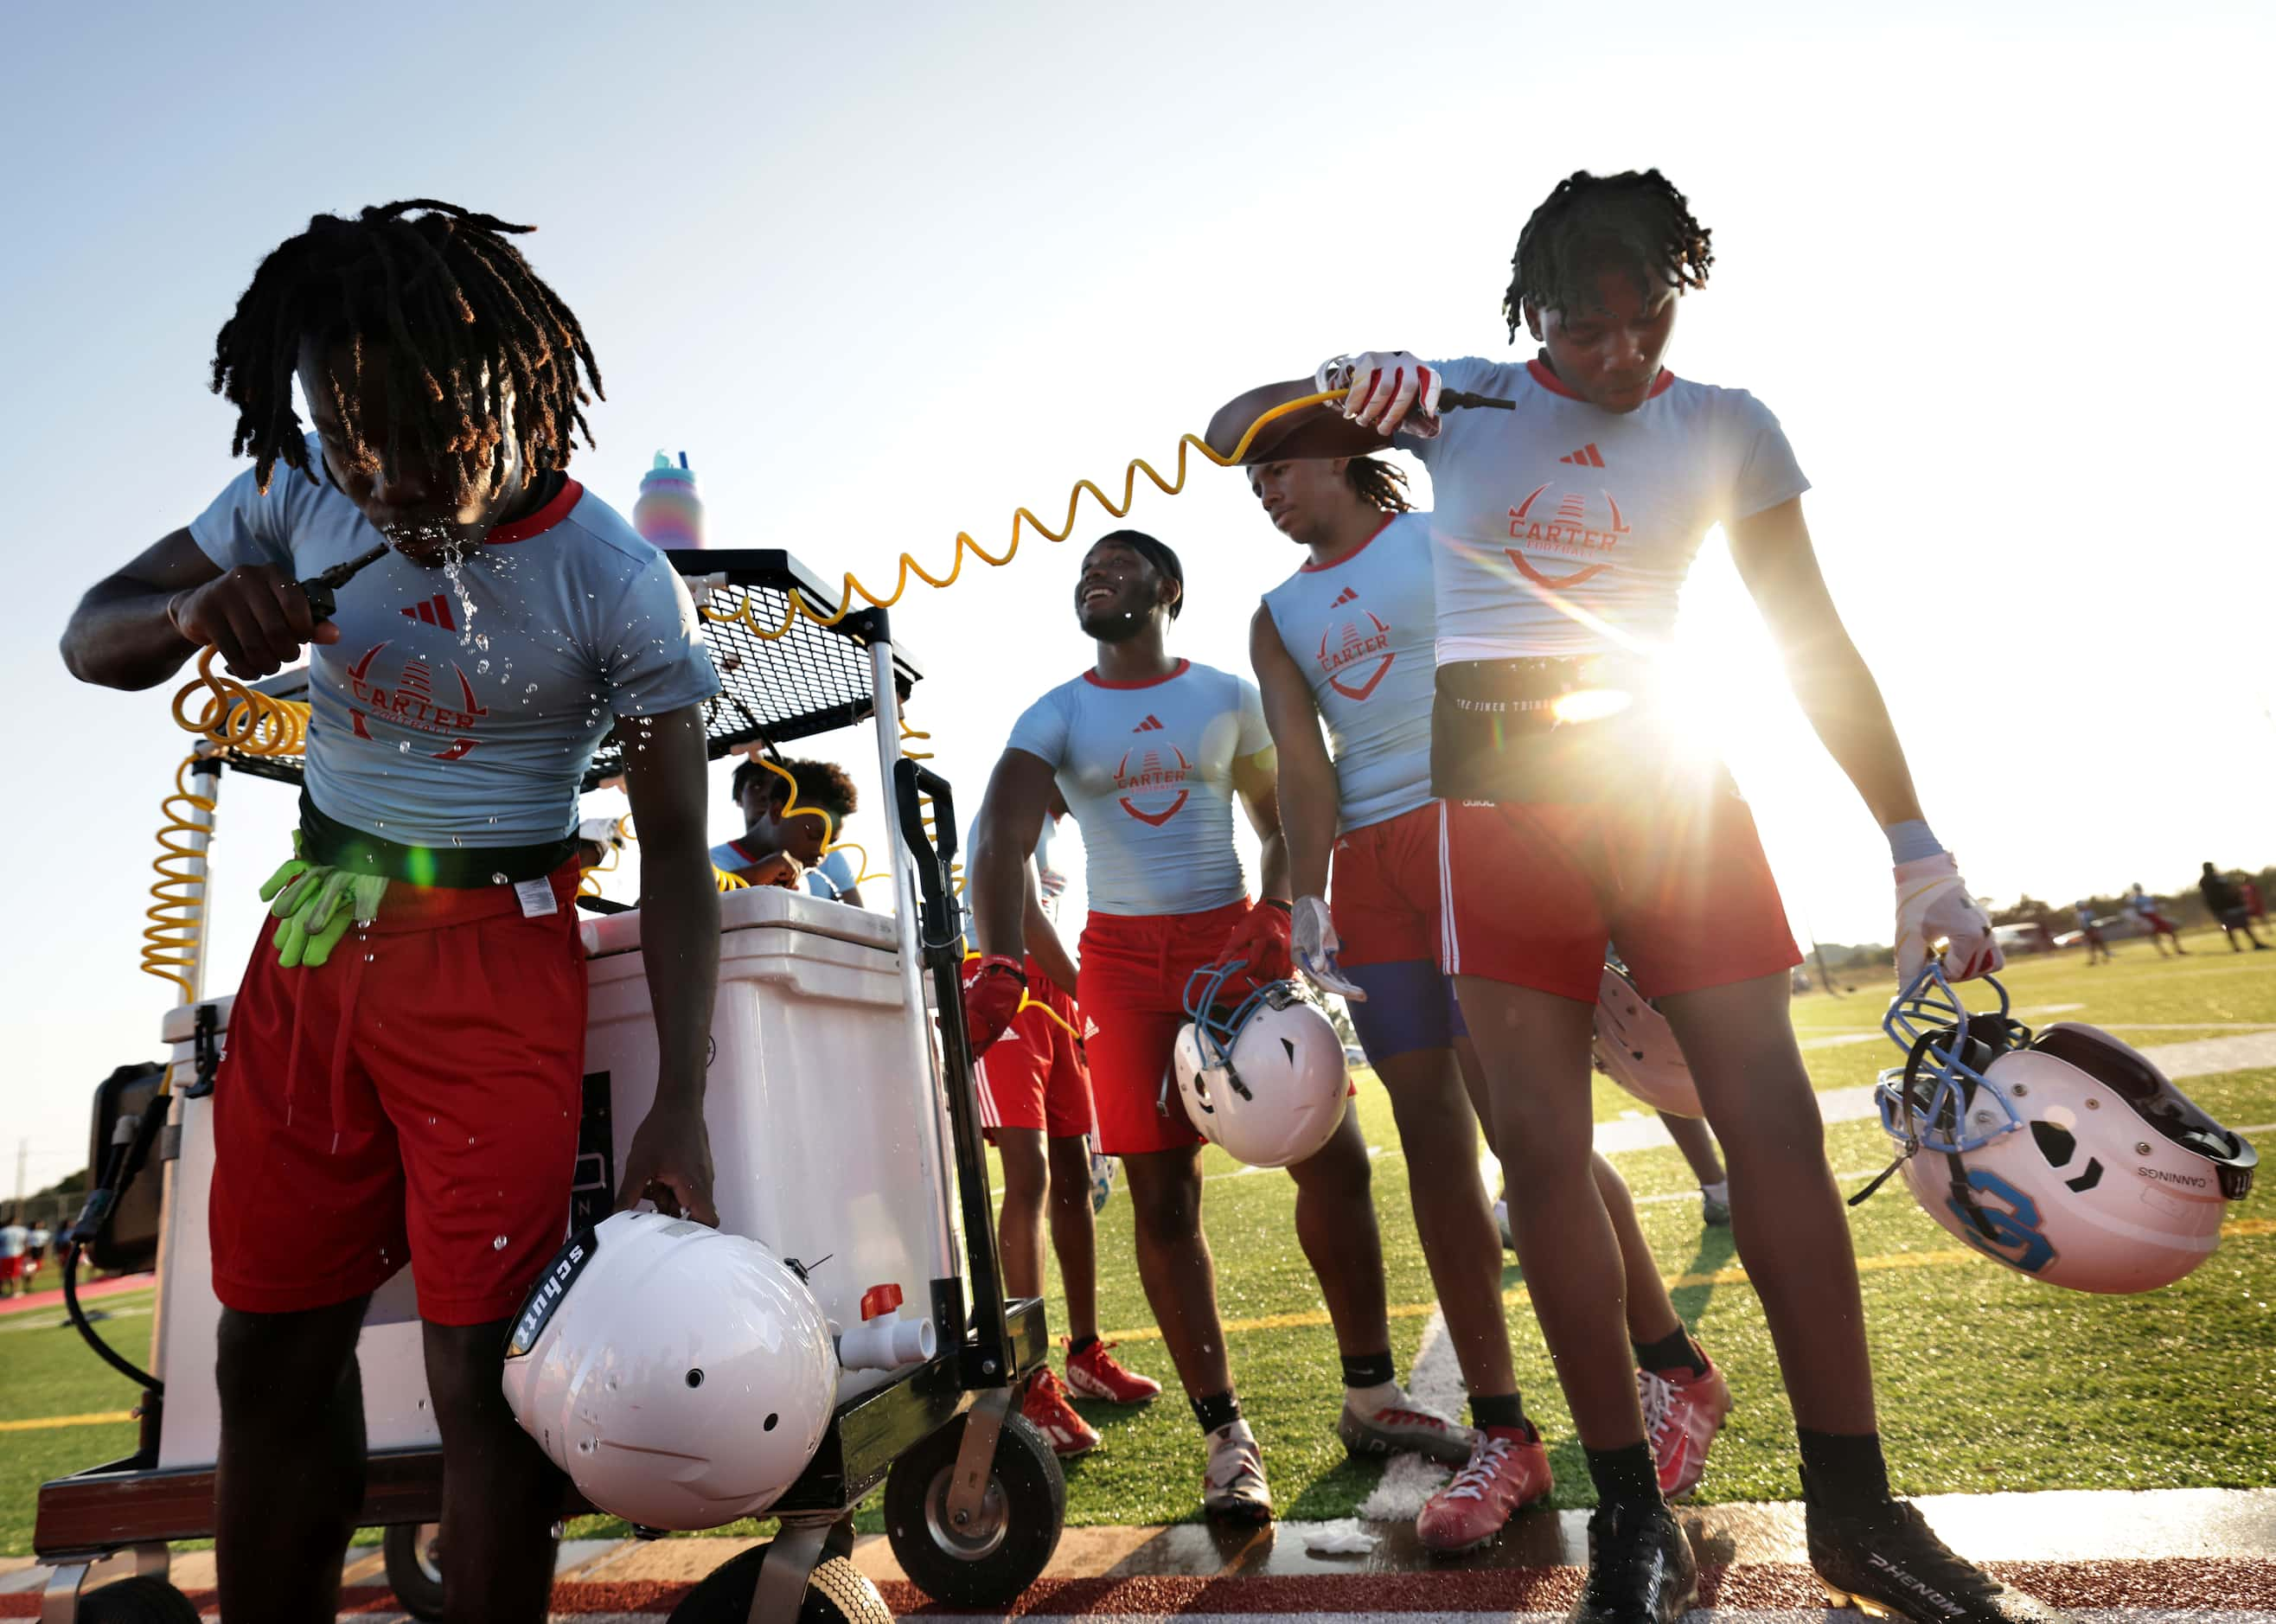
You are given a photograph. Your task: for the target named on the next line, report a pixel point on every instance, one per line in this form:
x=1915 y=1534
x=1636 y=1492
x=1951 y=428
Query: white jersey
x=461 y=707
x=13 y=1239
x=1146 y=768
x=1566 y=530
x=1360 y=630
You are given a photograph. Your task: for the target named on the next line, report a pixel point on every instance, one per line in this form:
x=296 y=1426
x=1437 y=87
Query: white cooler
x=829 y=1144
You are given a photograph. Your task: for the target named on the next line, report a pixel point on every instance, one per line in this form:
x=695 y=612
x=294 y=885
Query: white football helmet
x=1266 y=1083
x=2066 y=1155
x=680 y=1377
x=1635 y=1047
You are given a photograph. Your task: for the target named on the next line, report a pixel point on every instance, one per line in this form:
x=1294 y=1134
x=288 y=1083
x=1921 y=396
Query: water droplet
x=498 y=1245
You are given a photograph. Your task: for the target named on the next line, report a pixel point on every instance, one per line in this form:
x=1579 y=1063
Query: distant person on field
x=14 y=1238
x=825 y=798
x=2227 y=901
x=36 y=1251
x=2097 y=950
x=2253 y=903
x=2145 y=908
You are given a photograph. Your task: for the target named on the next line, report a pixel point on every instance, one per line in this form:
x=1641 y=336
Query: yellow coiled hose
x=176 y=913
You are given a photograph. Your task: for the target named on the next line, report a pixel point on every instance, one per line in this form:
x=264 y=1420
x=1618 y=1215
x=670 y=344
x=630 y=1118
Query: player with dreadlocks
x=420 y=1100
x=1347 y=640
x=1563 y=530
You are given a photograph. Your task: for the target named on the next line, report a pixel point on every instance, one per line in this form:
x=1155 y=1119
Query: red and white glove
x=992 y=996
x=1260 y=941
x=1391 y=391
x=1935 y=915
x=1314 y=944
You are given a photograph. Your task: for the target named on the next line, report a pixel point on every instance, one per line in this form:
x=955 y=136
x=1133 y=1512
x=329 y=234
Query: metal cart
x=973 y=1497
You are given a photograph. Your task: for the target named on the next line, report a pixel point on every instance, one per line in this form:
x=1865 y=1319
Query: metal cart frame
x=116 y=1518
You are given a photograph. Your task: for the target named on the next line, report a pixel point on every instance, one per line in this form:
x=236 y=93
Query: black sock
x=1080 y=1346
x=1216 y=1409
x=1624 y=1476
x=1674 y=1349
x=1504 y=1410
x=1843 y=1471
x=1369 y=1370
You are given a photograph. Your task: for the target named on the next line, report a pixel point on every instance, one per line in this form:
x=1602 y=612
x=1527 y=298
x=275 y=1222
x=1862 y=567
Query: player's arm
x=135 y=627
x=671 y=1154
x=1257 y=780
x=997 y=882
x=1306 y=787
x=1389 y=390
x=1776 y=559
x=1935 y=915
x=1045 y=945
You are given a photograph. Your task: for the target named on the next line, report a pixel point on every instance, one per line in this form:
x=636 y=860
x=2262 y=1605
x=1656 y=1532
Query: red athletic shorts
x=1533 y=890
x=1034 y=1076
x=8 y=1269
x=1383 y=889
x=416 y=1099
x=1133 y=988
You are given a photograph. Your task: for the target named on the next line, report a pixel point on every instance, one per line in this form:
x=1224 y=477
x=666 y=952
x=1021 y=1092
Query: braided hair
x=1636 y=221
x=465 y=325
x=1379 y=483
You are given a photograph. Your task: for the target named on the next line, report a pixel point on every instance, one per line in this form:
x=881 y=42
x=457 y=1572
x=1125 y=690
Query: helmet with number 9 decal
x=2065 y=1156
x=1635 y=1047
x=682 y=1377
x=1265 y=1083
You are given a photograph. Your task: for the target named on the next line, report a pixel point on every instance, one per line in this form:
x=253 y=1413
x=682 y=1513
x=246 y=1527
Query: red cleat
x=1682 y=1415
x=1048 y=1411
x=1508 y=1470
x=1096 y=1374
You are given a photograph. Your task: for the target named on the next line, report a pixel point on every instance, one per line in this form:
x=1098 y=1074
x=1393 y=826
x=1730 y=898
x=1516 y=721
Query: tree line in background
x=2182 y=904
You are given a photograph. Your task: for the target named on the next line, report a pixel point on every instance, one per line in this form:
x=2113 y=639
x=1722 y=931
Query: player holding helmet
x=1149 y=754
x=1564 y=530
x=1347 y=640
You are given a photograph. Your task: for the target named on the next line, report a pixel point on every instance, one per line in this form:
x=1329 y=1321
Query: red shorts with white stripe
x=1533 y=890
x=1383 y=889
x=417 y=1099
x=1134 y=969
x=1034 y=1076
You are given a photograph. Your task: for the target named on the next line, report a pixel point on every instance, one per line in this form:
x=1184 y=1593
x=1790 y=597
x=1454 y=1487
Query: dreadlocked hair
x=1636 y=221
x=1379 y=483
x=465 y=327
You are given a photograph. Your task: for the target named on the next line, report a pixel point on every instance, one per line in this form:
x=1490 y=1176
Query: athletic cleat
x=1403 y=1427
x=1641 y=1569
x=1508 y=1470
x=1098 y=1374
x=1233 y=1483
x=1889 y=1564
x=1713 y=1213
x=1682 y=1415
x=1048 y=1411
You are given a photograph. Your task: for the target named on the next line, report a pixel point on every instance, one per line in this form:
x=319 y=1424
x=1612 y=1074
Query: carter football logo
x=411 y=703
x=1152 y=780
x=1564 y=530
x=1361 y=658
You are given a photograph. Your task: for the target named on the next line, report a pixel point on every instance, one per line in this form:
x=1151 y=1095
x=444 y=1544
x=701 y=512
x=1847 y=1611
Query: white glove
x=1312 y=944
x=1391 y=391
x=1935 y=912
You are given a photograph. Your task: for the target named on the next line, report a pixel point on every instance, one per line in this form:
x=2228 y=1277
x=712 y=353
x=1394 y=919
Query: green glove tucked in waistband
x=317 y=904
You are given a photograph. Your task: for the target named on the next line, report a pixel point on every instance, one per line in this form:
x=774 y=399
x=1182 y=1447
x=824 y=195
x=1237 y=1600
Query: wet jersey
x=1567 y=530
x=462 y=707
x=1147 y=769
x=1360 y=630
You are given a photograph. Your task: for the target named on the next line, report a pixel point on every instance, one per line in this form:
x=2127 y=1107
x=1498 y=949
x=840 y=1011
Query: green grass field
x=1987 y=1380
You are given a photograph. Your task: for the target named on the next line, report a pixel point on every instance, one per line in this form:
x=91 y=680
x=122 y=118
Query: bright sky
x=888 y=271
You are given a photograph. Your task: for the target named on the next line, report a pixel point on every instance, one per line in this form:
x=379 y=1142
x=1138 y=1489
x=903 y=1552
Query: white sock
x=1375 y=1399
x=1717 y=1192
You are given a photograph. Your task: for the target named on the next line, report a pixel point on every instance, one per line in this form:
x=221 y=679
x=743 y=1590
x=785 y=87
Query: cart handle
x=935 y=854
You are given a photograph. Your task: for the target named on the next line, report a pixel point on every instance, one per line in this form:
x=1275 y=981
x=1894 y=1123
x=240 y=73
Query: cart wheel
x=139 y=1600
x=836 y=1594
x=414 y=1551
x=991 y=1562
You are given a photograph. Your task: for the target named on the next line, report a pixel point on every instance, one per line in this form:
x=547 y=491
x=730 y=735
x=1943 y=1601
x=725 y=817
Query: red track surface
x=2214 y=1587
